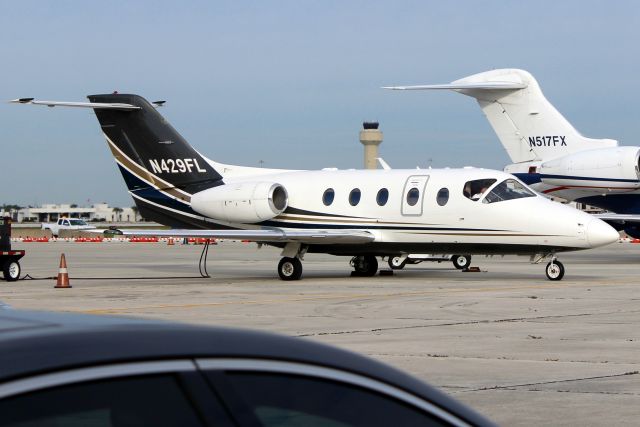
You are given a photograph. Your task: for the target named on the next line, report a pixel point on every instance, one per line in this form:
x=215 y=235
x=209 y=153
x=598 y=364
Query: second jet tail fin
x=527 y=124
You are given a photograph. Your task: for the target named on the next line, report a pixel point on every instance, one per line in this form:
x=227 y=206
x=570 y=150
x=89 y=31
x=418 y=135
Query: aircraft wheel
x=555 y=270
x=461 y=261
x=366 y=265
x=397 y=263
x=290 y=269
x=11 y=270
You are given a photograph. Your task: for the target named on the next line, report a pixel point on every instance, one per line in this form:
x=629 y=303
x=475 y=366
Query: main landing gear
x=290 y=268
x=364 y=265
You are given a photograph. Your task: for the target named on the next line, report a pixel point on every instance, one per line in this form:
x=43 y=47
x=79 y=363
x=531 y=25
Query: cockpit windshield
x=475 y=189
x=508 y=190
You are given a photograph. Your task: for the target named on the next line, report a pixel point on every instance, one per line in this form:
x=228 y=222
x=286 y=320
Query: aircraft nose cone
x=599 y=233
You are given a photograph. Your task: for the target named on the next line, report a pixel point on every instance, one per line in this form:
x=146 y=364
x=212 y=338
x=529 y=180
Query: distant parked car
x=80 y=370
x=66 y=224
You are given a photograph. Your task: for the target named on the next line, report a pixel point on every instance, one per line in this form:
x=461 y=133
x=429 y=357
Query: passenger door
x=413 y=195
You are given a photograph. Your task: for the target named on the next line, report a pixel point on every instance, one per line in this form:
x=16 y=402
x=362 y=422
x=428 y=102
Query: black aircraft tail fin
x=151 y=154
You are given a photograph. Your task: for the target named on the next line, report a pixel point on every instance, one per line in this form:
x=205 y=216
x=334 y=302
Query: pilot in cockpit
x=479 y=193
x=475 y=189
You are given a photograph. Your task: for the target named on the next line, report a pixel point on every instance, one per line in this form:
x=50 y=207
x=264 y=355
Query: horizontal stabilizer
x=463 y=86
x=95 y=105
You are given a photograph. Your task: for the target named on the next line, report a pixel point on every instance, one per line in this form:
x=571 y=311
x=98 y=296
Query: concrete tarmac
x=514 y=346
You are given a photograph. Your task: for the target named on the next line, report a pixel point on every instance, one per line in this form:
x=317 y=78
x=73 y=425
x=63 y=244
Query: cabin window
x=475 y=189
x=354 y=197
x=443 y=196
x=327 y=197
x=413 y=196
x=382 y=197
x=508 y=190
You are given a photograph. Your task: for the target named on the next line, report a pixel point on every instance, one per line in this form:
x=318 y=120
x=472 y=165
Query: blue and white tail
x=160 y=168
x=528 y=126
x=149 y=148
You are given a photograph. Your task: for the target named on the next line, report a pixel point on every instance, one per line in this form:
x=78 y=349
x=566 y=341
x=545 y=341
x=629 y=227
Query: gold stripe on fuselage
x=142 y=173
x=312 y=219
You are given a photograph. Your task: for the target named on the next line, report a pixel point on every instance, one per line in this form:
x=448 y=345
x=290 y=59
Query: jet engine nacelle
x=602 y=164
x=245 y=202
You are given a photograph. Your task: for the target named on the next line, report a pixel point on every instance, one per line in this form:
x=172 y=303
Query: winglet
x=384 y=164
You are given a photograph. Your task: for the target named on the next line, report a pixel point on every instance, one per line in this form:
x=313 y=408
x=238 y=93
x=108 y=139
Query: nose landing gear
x=554 y=270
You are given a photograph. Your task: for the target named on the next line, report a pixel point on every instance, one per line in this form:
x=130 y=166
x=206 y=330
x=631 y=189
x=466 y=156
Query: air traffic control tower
x=370 y=137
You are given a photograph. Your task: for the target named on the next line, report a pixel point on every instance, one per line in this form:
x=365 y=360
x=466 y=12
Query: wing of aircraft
x=618 y=219
x=495 y=85
x=270 y=235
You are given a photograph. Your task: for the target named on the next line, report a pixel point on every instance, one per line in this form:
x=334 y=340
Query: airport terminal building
x=98 y=212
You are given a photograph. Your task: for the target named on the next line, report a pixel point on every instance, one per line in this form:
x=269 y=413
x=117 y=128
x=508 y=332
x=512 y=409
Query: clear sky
x=289 y=82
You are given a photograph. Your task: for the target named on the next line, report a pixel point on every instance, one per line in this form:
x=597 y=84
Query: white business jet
x=548 y=153
x=363 y=214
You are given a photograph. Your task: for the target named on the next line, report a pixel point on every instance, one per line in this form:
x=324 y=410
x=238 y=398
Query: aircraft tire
x=555 y=270
x=366 y=265
x=290 y=268
x=397 y=263
x=11 y=270
x=461 y=261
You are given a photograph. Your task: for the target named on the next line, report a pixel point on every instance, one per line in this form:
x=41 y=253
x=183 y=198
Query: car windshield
x=77 y=222
x=508 y=190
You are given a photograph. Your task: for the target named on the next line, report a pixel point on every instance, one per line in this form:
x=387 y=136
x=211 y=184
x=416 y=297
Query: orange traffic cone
x=63 y=274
